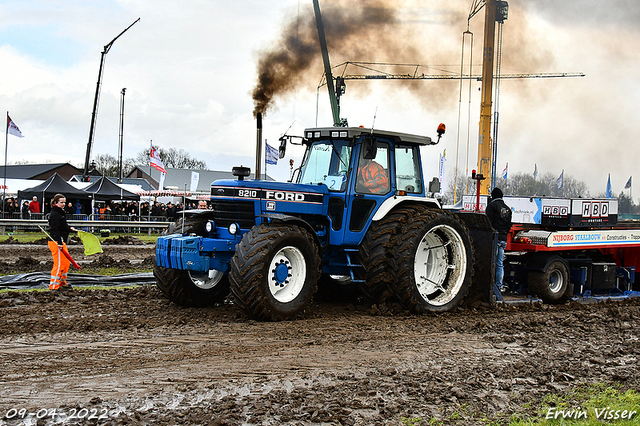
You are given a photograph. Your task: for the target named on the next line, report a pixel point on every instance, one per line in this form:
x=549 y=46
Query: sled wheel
x=274 y=271
x=375 y=255
x=432 y=262
x=551 y=284
x=188 y=288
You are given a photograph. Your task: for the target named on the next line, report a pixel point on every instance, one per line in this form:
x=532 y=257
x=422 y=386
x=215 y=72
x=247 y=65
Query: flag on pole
x=155 y=160
x=505 y=171
x=12 y=129
x=441 y=170
x=535 y=172
x=272 y=155
x=628 y=184
x=609 y=192
x=90 y=242
x=560 y=180
x=195 y=179
x=161 y=183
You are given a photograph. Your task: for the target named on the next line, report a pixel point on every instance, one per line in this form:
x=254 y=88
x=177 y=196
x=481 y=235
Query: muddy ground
x=127 y=253
x=129 y=356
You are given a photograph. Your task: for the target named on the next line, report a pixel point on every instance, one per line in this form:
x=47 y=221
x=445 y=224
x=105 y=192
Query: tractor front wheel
x=188 y=288
x=274 y=271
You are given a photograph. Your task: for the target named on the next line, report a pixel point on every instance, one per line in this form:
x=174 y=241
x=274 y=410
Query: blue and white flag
x=195 y=179
x=441 y=170
x=560 y=180
x=628 y=184
x=609 y=192
x=271 y=156
x=161 y=182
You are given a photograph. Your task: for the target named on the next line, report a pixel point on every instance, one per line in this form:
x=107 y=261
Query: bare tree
x=172 y=157
x=521 y=185
x=524 y=185
x=463 y=186
x=107 y=165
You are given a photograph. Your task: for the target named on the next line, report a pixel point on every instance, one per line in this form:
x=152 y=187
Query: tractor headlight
x=233 y=228
x=209 y=226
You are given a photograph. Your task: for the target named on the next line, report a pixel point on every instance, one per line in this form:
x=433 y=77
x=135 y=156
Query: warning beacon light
x=441 y=129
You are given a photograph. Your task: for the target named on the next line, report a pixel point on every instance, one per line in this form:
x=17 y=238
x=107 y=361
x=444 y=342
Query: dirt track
x=21 y=258
x=136 y=358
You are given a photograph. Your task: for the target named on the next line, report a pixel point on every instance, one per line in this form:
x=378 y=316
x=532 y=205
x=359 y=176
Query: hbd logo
x=555 y=210
x=595 y=209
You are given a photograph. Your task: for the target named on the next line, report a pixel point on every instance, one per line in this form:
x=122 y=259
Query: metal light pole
x=120 y=148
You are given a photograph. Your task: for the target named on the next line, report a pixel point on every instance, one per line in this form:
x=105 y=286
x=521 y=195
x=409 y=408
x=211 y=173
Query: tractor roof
x=354 y=132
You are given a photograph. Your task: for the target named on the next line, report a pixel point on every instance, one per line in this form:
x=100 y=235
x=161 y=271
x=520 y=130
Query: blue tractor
x=359 y=212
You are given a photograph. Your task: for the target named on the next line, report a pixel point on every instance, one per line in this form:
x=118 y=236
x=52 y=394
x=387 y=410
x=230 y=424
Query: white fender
x=391 y=202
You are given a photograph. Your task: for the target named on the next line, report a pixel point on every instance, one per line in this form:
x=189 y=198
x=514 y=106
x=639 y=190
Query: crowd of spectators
x=143 y=211
x=109 y=210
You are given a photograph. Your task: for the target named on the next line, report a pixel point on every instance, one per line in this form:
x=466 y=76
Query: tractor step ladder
x=352 y=265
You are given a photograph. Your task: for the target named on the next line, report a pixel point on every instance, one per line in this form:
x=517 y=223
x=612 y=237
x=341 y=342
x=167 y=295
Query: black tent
x=105 y=190
x=52 y=186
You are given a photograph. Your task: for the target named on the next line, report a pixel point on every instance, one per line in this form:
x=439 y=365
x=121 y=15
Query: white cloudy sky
x=190 y=68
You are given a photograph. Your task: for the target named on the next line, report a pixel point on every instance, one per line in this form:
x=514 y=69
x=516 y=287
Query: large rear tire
x=433 y=261
x=274 y=271
x=376 y=255
x=551 y=284
x=187 y=288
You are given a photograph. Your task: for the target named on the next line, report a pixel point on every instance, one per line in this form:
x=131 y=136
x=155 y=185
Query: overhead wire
x=462 y=78
x=466 y=180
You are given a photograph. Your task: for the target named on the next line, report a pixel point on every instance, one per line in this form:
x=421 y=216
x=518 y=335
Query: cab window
x=373 y=175
x=408 y=176
x=327 y=162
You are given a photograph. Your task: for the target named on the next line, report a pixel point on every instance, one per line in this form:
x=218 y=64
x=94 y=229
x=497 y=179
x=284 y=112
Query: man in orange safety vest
x=373 y=177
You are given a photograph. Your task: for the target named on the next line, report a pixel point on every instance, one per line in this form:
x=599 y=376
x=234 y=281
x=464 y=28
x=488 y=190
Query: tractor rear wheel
x=433 y=261
x=376 y=257
x=274 y=271
x=188 y=288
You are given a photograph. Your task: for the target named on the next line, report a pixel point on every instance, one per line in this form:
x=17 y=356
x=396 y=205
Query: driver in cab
x=372 y=177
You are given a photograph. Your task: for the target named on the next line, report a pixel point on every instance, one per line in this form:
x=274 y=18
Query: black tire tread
x=403 y=282
x=376 y=255
x=247 y=270
x=177 y=285
x=538 y=283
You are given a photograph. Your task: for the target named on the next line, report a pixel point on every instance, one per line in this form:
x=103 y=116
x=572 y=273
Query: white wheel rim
x=440 y=265
x=556 y=281
x=286 y=274
x=207 y=280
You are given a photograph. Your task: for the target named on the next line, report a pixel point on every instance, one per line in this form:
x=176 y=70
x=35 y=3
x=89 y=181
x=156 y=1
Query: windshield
x=327 y=163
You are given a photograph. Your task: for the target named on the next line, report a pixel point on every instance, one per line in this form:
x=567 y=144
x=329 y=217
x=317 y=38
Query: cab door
x=371 y=183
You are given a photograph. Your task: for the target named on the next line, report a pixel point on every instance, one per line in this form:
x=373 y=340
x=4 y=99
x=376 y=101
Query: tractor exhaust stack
x=258 y=174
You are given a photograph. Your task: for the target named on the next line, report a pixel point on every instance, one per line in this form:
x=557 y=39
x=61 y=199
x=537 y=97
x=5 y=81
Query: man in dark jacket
x=171 y=212
x=25 y=210
x=500 y=217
